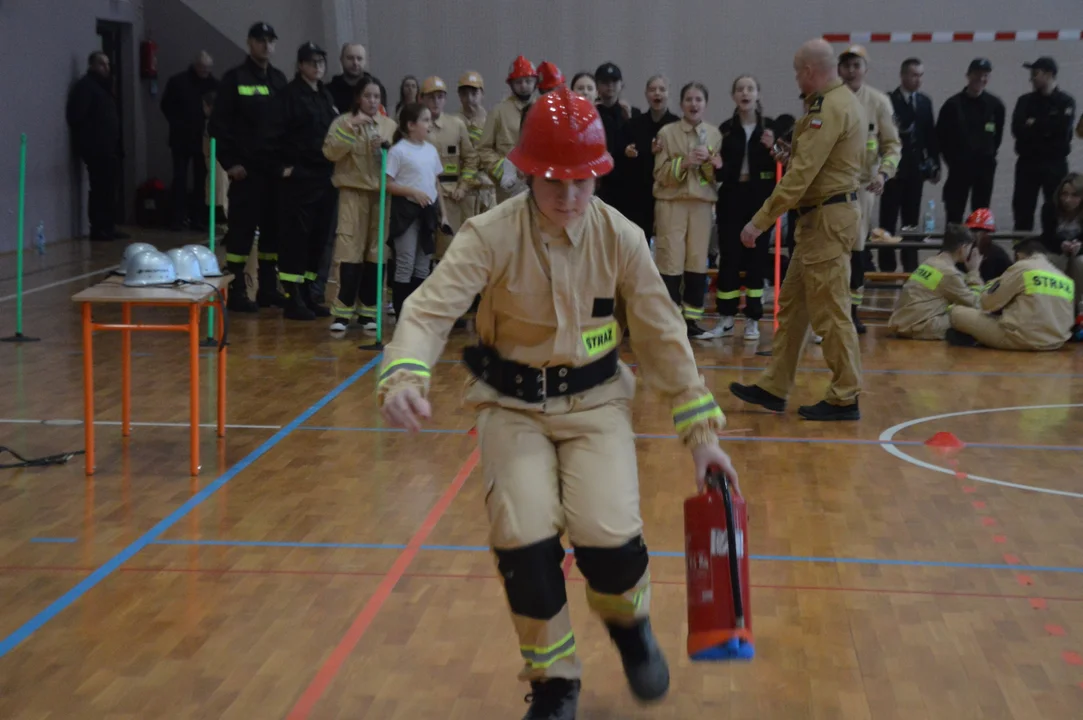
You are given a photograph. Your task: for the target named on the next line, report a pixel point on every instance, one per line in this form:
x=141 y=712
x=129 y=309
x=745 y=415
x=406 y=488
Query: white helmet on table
x=208 y=261
x=149 y=267
x=186 y=264
x=133 y=249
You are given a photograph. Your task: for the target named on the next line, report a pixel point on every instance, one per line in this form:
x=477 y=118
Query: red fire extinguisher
x=716 y=555
x=148 y=60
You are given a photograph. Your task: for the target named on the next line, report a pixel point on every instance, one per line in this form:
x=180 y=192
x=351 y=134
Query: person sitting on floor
x=1030 y=307
x=994 y=259
x=921 y=312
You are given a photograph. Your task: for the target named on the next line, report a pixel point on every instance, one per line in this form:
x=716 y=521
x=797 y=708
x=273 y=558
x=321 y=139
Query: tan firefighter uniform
x=821 y=182
x=482 y=195
x=357 y=176
x=500 y=135
x=558 y=301
x=922 y=310
x=451 y=138
x=1035 y=302
x=685 y=198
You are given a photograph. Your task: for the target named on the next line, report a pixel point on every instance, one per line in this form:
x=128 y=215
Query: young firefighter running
x=560 y=274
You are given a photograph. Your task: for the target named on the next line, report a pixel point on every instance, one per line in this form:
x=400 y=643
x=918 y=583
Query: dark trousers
x=103 y=173
x=738 y=205
x=189 y=206
x=307 y=207
x=323 y=271
x=1032 y=177
x=970 y=177
x=902 y=194
x=253 y=203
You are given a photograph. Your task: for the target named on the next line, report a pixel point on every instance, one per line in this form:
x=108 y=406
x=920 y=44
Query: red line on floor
x=361 y=623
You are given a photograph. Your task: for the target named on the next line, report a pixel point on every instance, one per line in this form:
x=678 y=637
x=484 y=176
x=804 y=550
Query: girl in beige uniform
x=353 y=144
x=685 y=192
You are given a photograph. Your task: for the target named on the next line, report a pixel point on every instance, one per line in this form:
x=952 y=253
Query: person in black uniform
x=748 y=179
x=969 y=129
x=1042 y=126
x=639 y=149
x=244 y=123
x=615 y=114
x=920 y=161
x=307 y=195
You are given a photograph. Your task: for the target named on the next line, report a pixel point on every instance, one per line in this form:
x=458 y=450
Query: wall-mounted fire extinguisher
x=148 y=64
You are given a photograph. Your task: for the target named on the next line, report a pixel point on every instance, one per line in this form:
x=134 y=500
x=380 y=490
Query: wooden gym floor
x=324 y=567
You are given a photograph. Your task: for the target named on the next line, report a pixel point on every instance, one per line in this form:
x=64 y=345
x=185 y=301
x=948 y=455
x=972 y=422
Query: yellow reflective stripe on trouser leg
x=416 y=367
x=234 y=258
x=728 y=294
x=540 y=658
x=290 y=277
x=699 y=409
x=267 y=257
x=692 y=313
x=623 y=608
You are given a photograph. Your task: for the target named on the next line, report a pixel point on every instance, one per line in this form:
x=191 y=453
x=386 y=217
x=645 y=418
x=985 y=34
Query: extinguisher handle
x=717 y=480
x=734 y=560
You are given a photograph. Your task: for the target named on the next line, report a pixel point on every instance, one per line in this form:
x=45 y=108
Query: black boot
x=756 y=395
x=825 y=411
x=267 y=294
x=238 y=290
x=858 y=325
x=295 y=303
x=553 y=699
x=644 y=665
x=311 y=300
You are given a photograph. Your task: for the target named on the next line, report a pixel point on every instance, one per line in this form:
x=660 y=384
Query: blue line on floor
x=35 y=623
x=653 y=553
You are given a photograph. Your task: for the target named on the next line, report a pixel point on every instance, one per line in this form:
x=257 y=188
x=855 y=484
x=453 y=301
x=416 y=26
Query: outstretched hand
x=405 y=409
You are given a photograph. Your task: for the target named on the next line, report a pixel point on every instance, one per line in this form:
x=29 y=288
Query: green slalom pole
x=379 y=344
x=19 y=242
x=213 y=202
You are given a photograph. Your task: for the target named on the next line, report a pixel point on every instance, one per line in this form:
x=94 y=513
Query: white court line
x=58 y=283
x=887 y=435
x=65 y=422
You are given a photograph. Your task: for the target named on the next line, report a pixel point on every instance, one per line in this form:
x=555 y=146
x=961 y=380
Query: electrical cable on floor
x=59 y=459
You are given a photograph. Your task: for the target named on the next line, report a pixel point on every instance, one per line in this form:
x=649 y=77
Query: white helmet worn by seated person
x=149 y=267
x=186 y=264
x=208 y=261
x=133 y=249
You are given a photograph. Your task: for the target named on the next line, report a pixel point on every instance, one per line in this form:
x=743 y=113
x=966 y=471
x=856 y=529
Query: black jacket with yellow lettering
x=245 y=120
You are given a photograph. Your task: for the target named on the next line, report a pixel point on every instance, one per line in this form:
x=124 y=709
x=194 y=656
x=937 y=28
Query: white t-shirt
x=416 y=166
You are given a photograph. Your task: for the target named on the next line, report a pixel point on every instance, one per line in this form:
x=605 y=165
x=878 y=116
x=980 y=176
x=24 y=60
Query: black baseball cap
x=262 y=31
x=607 y=72
x=979 y=65
x=1044 y=63
x=310 y=50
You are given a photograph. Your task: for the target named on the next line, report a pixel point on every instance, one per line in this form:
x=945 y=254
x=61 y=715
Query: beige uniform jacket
x=827 y=155
x=458 y=157
x=1035 y=302
x=475 y=126
x=500 y=135
x=883 y=148
x=551 y=298
x=929 y=293
x=674 y=178
x=356 y=165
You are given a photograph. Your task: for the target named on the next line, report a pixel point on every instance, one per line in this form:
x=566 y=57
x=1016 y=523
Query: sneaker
x=695 y=332
x=724 y=328
x=644 y=665
x=752 y=331
x=825 y=411
x=756 y=395
x=552 y=699
x=369 y=326
x=338 y=325
x=818 y=339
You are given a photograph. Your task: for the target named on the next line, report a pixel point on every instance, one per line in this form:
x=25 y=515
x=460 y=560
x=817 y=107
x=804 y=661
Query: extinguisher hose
x=735 y=567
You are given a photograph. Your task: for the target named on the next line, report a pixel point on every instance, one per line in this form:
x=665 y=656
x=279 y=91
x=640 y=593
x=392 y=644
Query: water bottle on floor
x=930 y=217
x=39 y=238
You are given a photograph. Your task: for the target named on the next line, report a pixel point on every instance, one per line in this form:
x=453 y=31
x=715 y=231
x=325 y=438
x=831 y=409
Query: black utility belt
x=535 y=385
x=449 y=178
x=833 y=200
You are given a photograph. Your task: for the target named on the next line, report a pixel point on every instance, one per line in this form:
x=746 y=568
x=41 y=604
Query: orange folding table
x=194 y=297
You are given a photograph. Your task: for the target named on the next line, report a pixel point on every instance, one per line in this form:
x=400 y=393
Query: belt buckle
x=543 y=385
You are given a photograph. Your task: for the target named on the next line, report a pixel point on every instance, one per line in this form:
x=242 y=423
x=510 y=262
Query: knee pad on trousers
x=673 y=285
x=695 y=289
x=857 y=270
x=613 y=571
x=533 y=578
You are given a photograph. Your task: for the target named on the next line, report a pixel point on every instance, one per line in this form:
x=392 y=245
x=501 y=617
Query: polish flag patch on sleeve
x=815 y=124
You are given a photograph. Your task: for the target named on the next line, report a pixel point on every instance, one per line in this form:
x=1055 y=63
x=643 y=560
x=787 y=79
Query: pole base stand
x=19 y=338
x=208 y=342
x=374 y=346
x=763 y=353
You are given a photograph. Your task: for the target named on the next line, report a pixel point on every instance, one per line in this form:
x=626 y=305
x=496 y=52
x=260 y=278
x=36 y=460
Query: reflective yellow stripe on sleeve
x=344 y=136
x=696 y=411
x=540 y=658
x=406 y=365
x=253 y=90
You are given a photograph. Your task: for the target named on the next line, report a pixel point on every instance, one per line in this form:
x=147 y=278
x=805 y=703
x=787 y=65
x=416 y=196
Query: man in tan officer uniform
x=451 y=139
x=561 y=275
x=821 y=182
x=922 y=311
x=502 y=129
x=1031 y=306
x=883 y=149
x=471 y=94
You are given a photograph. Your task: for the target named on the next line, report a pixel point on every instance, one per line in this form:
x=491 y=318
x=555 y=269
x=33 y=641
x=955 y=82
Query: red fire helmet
x=521 y=68
x=549 y=77
x=562 y=138
x=982 y=219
